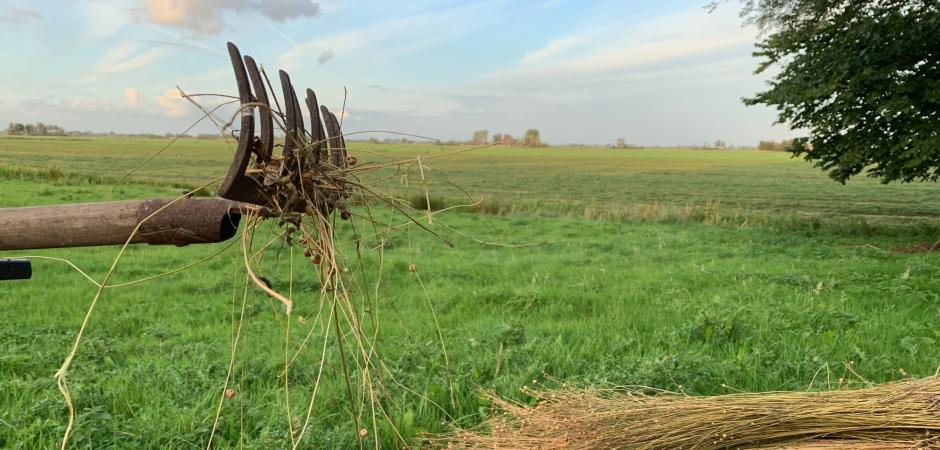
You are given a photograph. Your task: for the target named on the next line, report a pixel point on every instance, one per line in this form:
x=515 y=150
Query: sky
x=652 y=72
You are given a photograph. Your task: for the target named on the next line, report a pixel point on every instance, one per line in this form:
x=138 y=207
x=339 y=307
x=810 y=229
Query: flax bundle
x=899 y=415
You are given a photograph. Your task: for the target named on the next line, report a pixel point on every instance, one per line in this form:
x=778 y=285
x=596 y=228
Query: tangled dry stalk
x=899 y=415
x=299 y=200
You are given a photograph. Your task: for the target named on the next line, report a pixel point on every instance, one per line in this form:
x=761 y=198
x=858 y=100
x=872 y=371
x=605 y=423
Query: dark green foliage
x=863 y=77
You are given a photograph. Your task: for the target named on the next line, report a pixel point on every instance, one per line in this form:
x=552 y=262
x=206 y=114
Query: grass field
x=678 y=269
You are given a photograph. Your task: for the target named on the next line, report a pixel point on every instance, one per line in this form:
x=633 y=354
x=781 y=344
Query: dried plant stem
x=61 y=374
x=231 y=363
x=905 y=412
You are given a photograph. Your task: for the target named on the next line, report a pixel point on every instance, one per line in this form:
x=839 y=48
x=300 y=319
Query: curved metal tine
x=316 y=127
x=289 y=116
x=301 y=129
x=342 y=140
x=337 y=155
x=237 y=185
x=267 y=123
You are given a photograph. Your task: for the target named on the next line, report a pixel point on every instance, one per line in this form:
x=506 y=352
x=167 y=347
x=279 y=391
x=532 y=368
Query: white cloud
x=172 y=104
x=282 y=10
x=207 y=16
x=131 y=97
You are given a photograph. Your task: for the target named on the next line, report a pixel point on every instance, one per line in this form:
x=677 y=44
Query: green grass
x=551 y=181
x=679 y=300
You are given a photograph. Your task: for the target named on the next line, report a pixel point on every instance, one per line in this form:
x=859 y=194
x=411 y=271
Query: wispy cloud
x=19 y=16
x=179 y=40
x=651 y=71
x=553 y=48
x=615 y=51
x=37 y=107
x=280 y=33
x=102 y=20
x=399 y=34
x=125 y=57
x=604 y=76
x=586 y=38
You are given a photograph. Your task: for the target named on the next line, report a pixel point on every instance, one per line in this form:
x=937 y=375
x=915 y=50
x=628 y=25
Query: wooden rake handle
x=188 y=221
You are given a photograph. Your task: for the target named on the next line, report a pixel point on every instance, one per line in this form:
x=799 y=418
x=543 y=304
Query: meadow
x=701 y=271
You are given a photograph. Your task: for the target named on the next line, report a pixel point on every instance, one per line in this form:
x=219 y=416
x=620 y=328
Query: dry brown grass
x=899 y=415
x=853 y=444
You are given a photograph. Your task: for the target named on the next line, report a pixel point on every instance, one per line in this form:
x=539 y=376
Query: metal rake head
x=310 y=168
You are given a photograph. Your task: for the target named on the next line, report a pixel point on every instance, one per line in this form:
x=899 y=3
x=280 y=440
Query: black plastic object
x=15 y=269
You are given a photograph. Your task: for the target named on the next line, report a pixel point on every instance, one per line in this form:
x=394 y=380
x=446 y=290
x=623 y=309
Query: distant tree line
x=35 y=129
x=531 y=138
x=774 y=146
x=44 y=129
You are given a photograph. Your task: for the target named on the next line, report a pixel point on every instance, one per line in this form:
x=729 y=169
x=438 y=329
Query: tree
x=862 y=76
x=531 y=138
x=775 y=146
x=621 y=143
x=480 y=137
x=498 y=138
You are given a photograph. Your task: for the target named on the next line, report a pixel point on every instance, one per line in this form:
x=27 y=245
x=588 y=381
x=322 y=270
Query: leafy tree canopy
x=862 y=76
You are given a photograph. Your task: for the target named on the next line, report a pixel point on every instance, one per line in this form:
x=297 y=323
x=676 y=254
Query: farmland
x=702 y=271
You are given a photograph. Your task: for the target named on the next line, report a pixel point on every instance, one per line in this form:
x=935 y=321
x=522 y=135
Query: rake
x=310 y=171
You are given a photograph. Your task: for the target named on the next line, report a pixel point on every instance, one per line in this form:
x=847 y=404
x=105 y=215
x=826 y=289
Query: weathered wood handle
x=188 y=221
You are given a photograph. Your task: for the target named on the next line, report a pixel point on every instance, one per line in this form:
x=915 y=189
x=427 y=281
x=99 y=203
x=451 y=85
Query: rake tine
x=342 y=140
x=290 y=118
x=236 y=184
x=267 y=124
x=338 y=155
x=316 y=127
x=298 y=114
x=266 y=185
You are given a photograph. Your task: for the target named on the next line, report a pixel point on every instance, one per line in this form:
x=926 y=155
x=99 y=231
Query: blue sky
x=652 y=72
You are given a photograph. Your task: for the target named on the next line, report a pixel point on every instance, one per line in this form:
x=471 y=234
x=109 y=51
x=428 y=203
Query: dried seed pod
x=308 y=253
x=344 y=215
x=351 y=160
x=315 y=259
x=412 y=268
x=229 y=393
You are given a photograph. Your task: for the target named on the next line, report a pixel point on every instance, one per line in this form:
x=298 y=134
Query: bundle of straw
x=899 y=415
x=855 y=444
